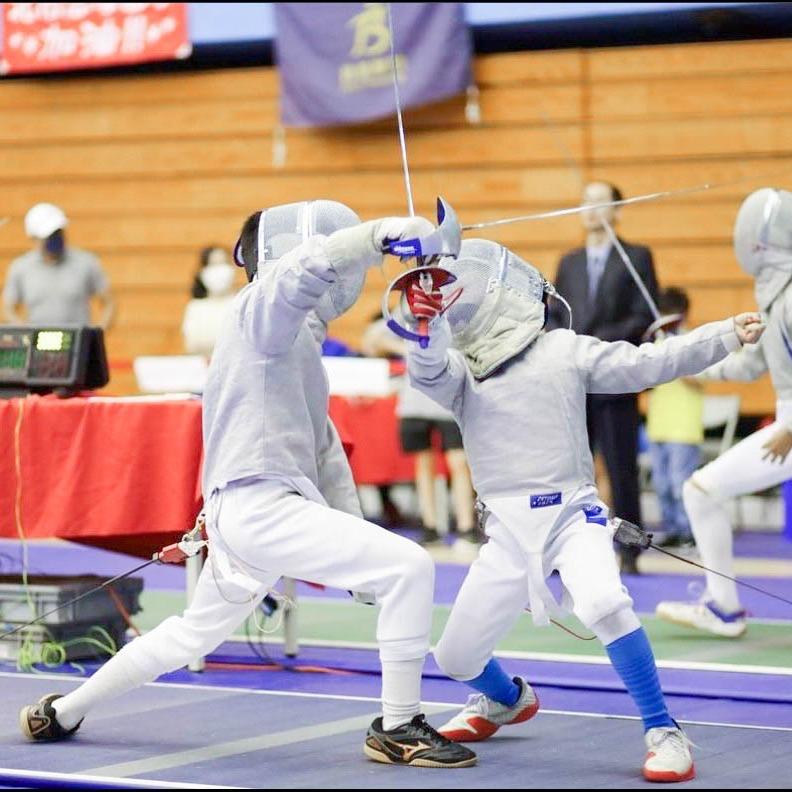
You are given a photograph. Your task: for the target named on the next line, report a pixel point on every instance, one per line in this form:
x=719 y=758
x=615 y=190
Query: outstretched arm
x=620 y=367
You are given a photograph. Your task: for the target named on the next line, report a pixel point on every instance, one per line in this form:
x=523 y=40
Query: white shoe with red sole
x=482 y=716
x=669 y=758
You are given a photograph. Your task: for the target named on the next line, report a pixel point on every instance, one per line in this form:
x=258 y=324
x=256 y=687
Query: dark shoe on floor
x=430 y=538
x=415 y=744
x=39 y=723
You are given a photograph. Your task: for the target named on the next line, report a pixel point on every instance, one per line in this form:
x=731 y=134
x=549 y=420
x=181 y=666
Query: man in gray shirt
x=54 y=282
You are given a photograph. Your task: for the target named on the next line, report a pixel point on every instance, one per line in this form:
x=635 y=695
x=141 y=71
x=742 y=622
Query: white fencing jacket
x=266 y=398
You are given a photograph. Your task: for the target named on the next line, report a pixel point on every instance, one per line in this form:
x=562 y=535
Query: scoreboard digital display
x=43 y=358
x=51 y=356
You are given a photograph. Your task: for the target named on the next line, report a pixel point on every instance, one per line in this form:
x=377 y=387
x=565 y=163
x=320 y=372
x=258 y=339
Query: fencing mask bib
x=763 y=242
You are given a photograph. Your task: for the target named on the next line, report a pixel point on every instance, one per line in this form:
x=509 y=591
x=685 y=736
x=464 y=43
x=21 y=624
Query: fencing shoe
x=415 y=744
x=482 y=716
x=668 y=758
x=38 y=721
x=430 y=538
x=704 y=616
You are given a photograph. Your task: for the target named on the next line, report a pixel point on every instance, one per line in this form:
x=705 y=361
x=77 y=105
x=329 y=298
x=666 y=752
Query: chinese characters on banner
x=335 y=63
x=60 y=36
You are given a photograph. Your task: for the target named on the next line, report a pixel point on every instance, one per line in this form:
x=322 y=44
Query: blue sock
x=633 y=660
x=494 y=683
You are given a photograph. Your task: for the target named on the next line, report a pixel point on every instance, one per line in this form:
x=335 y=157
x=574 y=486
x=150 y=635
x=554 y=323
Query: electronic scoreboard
x=41 y=359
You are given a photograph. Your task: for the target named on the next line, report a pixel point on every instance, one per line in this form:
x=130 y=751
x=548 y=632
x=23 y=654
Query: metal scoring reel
x=445 y=240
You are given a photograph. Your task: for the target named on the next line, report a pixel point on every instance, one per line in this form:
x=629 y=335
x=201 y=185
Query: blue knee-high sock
x=634 y=661
x=494 y=683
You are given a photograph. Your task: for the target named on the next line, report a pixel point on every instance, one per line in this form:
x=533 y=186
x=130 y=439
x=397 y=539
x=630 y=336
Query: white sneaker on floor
x=704 y=616
x=668 y=758
x=482 y=717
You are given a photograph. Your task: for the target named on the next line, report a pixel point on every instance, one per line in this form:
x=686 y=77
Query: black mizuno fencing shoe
x=38 y=721
x=416 y=744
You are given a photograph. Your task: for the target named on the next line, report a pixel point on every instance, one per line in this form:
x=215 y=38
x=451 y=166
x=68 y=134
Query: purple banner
x=335 y=61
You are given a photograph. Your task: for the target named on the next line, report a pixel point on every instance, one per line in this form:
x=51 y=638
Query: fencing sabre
x=191 y=544
x=659 y=321
x=616 y=242
x=630 y=535
x=647 y=197
x=445 y=240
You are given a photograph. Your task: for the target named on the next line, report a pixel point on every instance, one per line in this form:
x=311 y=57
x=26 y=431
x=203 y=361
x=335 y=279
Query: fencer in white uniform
x=279 y=495
x=763 y=246
x=518 y=395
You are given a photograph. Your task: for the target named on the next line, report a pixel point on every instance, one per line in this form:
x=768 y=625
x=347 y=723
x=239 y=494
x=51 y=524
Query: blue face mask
x=55 y=244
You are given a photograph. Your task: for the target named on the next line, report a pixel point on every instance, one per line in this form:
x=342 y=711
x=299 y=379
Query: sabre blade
x=573 y=210
x=631 y=535
x=721 y=574
x=631 y=268
x=399 y=118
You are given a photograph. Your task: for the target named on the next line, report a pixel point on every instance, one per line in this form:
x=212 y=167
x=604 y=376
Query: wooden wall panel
x=152 y=168
x=725 y=59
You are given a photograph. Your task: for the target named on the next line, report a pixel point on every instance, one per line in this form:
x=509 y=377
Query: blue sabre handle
x=423 y=340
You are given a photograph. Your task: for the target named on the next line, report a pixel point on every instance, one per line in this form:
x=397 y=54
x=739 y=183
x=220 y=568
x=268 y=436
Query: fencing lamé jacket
x=266 y=399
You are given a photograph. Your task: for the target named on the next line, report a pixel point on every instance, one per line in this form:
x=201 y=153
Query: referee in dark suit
x=607 y=304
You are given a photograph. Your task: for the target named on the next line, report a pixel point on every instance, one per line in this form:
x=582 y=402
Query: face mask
x=218 y=279
x=55 y=244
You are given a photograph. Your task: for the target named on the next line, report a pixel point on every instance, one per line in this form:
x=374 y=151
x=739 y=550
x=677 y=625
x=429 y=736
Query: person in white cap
x=55 y=282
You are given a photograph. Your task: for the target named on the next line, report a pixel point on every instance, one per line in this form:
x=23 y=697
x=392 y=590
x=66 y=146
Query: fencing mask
x=500 y=308
x=282 y=228
x=763 y=241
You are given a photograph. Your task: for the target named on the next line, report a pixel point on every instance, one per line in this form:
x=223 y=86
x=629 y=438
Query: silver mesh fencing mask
x=501 y=307
x=763 y=241
x=282 y=228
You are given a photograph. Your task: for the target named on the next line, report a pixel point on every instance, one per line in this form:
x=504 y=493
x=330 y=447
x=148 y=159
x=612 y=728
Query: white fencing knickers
x=496 y=589
x=739 y=471
x=261 y=531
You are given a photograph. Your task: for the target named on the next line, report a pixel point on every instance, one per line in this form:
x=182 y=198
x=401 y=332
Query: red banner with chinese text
x=62 y=36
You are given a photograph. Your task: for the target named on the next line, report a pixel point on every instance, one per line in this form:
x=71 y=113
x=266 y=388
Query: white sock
x=118 y=675
x=713 y=534
x=616 y=625
x=401 y=691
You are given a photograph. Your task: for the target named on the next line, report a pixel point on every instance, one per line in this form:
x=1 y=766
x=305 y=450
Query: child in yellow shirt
x=675 y=429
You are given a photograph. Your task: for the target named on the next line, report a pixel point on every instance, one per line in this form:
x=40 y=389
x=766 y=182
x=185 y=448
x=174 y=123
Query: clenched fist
x=749 y=327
